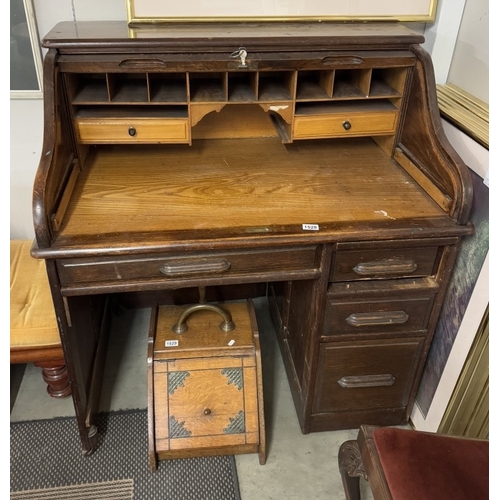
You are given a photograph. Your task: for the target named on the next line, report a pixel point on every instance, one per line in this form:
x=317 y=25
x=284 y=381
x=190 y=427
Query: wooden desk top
x=89 y=35
x=239 y=187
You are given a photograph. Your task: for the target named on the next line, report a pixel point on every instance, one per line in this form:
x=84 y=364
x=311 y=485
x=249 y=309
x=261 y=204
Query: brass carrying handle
x=226 y=326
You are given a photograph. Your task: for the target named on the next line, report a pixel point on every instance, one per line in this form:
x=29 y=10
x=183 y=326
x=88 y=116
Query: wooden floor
x=243 y=183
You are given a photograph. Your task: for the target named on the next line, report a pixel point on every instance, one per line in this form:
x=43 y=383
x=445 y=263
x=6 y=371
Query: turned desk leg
x=351 y=469
x=56 y=378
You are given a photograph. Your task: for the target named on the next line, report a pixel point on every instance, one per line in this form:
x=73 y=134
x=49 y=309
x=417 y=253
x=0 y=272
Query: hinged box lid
x=203 y=336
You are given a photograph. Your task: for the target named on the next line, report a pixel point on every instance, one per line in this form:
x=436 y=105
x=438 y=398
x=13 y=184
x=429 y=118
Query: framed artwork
x=469 y=266
x=155 y=11
x=466 y=124
x=25 y=52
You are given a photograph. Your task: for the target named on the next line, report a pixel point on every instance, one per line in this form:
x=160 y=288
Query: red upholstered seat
x=425 y=466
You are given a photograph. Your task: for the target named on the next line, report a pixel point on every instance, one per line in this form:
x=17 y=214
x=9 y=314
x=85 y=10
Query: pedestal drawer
x=379 y=307
x=351 y=265
x=407 y=315
x=366 y=375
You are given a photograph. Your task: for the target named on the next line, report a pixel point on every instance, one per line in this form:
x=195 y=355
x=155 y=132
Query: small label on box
x=310 y=227
x=171 y=343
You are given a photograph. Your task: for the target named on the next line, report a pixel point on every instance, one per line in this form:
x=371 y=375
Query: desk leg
x=85 y=323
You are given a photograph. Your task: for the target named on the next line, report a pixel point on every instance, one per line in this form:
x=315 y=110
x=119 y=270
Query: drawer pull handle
x=142 y=63
x=132 y=131
x=354 y=382
x=227 y=324
x=341 y=60
x=377 y=319
x=179 y=268
x=347 y=125
x=388 y=266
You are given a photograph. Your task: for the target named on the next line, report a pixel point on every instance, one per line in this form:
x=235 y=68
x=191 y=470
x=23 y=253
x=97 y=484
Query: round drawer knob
x=132 y=131
x=347 y=125
x=207 y=411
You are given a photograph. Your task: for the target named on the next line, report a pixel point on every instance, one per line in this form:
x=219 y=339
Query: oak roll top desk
x=307 y=157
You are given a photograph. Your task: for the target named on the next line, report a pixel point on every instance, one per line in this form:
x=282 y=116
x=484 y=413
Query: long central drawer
x=218 y=266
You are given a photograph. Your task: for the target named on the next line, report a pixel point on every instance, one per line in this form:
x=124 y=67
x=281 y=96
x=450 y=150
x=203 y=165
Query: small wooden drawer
x=391 y=306
x=349 y=265
x=366 y=375
x=205 y=384
x=345 y=124
x=133 y=130
x=223 y=267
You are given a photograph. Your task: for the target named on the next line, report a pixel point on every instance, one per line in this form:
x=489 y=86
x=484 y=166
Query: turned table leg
x=56 y=378
x=351 y=469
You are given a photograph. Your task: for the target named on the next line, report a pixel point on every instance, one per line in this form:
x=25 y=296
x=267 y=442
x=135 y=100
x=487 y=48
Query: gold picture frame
x=158 y=11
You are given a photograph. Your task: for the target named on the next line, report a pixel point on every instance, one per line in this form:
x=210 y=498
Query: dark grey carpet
x=47 y=454
x=109 y=490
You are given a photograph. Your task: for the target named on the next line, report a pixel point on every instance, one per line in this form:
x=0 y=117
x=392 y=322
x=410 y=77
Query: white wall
x=469 y=68
x=50 y=12
x=26 y=133
x=477 y=158
x=459 y=45
x=441 y=36
x=26 y=116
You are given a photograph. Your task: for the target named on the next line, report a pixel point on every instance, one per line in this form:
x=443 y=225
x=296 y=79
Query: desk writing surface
x=242 y=183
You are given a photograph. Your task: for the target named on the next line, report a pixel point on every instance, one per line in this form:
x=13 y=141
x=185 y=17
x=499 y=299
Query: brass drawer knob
x=132 y=131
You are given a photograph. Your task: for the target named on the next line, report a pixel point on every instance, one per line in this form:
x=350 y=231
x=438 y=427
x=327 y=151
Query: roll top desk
x=305 y=158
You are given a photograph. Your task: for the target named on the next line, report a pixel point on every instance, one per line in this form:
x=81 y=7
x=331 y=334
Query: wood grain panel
x=241 y=183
